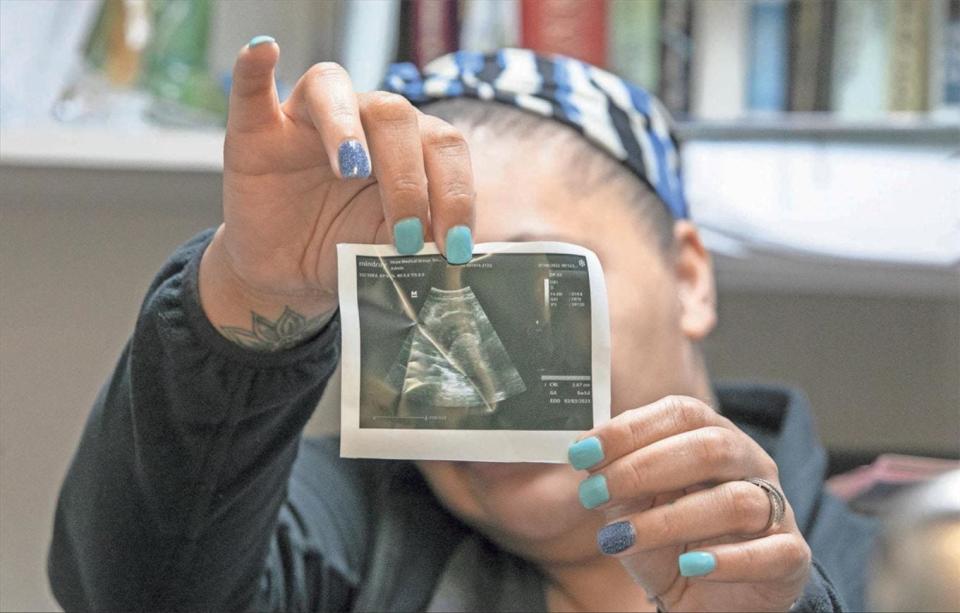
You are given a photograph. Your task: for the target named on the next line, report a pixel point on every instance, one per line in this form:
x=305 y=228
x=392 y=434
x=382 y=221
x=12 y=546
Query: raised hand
x=324 y=167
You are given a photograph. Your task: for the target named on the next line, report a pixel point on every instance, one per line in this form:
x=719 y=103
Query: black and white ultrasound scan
x=505 y=358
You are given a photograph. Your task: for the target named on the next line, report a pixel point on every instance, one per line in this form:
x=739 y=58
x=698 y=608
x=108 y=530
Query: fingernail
x=593 y=491
x=408 y=235
x=353 y=160
x=616 y=537
x=697 y=563
x=259 y=40
x=586 y=453
x=459 y=245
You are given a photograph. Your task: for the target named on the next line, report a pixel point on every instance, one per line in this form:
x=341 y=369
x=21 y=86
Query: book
x=435 y=29
x=811 y=53
x=575 y=28
x=767 y=56
x=634 y=45
x=675 y=52
x=944 y=73
x=489 y=25
x=861 y=52
x=869 y=489
x=718 y=69
x=908 y=55
x=369 y=35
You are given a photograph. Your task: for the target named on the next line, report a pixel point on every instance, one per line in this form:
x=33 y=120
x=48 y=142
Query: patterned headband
x=619 y=117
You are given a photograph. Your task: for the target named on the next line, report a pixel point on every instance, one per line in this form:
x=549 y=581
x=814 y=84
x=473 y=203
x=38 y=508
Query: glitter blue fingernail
x=593 y=491
x=586 y=453
x=353 y=160
x=408 y=235
x=259 y=40
x=616 y=537
x=459 y=245
x=696 y=563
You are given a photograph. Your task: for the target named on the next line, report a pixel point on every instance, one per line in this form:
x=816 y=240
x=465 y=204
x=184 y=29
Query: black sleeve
x=177 y=497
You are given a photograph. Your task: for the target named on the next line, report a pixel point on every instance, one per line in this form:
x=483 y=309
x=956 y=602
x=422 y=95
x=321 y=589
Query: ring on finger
x=778 y=502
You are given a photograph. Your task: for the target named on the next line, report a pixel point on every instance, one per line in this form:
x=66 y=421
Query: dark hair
x=592 y=168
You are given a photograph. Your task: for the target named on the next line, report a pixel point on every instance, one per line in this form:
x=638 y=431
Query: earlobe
x=696 y=288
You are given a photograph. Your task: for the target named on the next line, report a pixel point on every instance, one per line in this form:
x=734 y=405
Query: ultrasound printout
x=505 y=358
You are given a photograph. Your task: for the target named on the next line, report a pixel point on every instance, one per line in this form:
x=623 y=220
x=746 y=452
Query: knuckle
x=457 y=196
x=747 y=506
x=446 y=140
x=634 y=477
x=387 y=106
x=687 y=412
x=715 y=446
x=408 y=188
x=635 y=429
x=769 y=466
x=797 y=553
x=326 y=70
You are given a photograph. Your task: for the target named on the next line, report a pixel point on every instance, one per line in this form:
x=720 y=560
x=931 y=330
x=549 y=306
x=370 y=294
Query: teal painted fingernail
x=408 y=235
x=261 y=39
x=593 y=491
x=459 y=245
x=697 y=563
x=586 y=453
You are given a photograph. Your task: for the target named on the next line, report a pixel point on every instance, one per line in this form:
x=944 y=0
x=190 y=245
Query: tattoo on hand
x=290 y=329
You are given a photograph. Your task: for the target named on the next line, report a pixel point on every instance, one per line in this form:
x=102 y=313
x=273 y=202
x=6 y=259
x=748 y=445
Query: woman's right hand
x=298 y=179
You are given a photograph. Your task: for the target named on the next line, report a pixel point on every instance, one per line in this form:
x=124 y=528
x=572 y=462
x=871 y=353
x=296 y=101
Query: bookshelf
x=175 y=152
x=713 y=36
x=910 y=129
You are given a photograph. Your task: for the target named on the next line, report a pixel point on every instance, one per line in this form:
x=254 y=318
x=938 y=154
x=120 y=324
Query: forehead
x=524 y=193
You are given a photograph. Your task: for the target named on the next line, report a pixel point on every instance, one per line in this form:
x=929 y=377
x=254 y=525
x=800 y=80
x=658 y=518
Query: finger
x=324 y=96
x=253 y=92
x=393 y=130
x=704 y=456
x=450 y=188
x=736 y=508
x=778 y=557
x=640 y=427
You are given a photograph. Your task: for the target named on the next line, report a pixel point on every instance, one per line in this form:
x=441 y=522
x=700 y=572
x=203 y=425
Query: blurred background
x=822 y=160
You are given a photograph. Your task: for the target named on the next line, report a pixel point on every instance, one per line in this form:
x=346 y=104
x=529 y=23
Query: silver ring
x=778 y=502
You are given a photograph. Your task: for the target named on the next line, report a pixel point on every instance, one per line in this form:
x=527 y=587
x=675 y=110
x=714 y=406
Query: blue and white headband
x=617 y=116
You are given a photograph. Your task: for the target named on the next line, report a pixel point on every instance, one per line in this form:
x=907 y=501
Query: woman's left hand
x=681 y=517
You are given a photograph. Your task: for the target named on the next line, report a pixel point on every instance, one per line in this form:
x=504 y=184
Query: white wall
x=78 y=249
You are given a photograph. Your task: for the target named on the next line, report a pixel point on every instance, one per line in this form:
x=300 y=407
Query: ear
x=696 y=289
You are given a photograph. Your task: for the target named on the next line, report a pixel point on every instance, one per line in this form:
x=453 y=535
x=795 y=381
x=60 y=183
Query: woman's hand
x=669 y=478
x=298 y=179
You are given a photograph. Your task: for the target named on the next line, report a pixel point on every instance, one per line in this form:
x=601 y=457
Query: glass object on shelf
x=106 y=90
x=146 y=60
x=177 y=74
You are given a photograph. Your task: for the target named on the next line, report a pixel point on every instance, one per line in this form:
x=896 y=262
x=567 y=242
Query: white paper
x=504 y=359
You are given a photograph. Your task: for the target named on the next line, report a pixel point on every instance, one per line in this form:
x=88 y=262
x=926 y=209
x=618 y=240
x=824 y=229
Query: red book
x=434 y=29
x=577 y=28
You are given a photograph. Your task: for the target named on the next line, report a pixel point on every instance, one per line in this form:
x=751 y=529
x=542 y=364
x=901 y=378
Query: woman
x=191 y=488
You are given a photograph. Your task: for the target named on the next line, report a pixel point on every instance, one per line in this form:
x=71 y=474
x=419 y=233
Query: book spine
x=908 y=56
x=675 y=54
x=434 y=25
x=634 y=53
x=767 y=77
x=825 y=43
x=860 y=56
x=945 y=58
x=576 y=28
x=718 y=70
x=488 y=25
x=807 y=54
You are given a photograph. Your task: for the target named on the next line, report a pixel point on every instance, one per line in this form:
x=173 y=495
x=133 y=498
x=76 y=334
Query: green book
x=634 y=42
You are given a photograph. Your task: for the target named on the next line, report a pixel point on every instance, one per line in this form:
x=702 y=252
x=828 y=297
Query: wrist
x=265 y=321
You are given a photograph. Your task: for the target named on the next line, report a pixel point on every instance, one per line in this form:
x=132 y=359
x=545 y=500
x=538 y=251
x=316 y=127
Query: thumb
x=253 y=95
